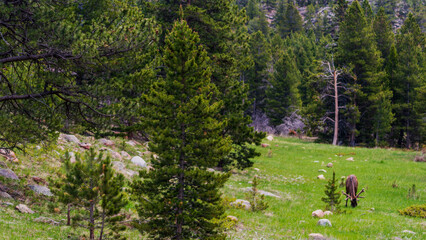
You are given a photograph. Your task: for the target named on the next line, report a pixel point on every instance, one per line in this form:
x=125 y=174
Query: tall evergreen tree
x=252 y=9
x=220 y=25
x=257 y=75
x=283 y=96
x=409 y=80
x=383 y=33
x=357 y=49
x=183 y=198
x=368 y=11
x=293 y=21
x=340 y=10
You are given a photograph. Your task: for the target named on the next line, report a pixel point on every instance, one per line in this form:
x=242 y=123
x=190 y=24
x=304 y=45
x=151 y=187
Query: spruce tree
x=383 y=33
x=357 y=49
x=293 y=21
x=283 y=96
x=409 y=78
x=368 y=11
x=222 y=31
x=179 y=196
x=257 y=75
x=340 y=11
x=92 y=188
x=333 y=195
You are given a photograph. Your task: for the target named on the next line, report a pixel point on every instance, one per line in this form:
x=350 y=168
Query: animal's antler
x=347 y=196
x=357 y=196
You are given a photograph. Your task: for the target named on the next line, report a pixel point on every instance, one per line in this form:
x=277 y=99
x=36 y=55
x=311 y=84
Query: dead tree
x=332 y=90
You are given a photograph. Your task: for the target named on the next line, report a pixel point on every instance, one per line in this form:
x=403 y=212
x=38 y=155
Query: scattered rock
x=321 y=177
x=326 y=213
x=139 y=161
x=329 y=165
x=269 y=214
x=125 y=155
x=131 y=143
x=41 y=190
x=232 y=218
x=316 y=236
x=46 y=220
x=270 y=138
x=256 y=169
x=265 y=145
x=121 y=168
x=408 y=231
x=241 y=203
x=316 y=161
x=322 y=170
x=420 y=158
x=396 y=238
x=7 y=204
x=24 y=209
x=116 y=155
x=7 y=173
x=318 y=213
x=8 y=154
x=324 y=223
x=265 y=193
x=351 y=159
x=70 y=138
x=85 y=145
x=3 y=164
x=210 y=170
x=371 y=210
x=72 y=157
x=5 y=195
x=106 y=142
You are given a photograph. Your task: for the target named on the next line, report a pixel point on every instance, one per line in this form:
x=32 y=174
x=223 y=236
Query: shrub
x=414 y=211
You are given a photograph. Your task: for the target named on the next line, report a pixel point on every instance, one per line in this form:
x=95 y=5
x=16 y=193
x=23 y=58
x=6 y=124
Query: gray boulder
x=41 y=190
x=71 y=138
x=316 y=236
x=5 y=195
x=7 y=173
x=139 y=161
x=106 y=142
x=324 y=222
x=241 y=203
x=125 y=155
x=121 y=168
x=24 y=209
x=46 y=220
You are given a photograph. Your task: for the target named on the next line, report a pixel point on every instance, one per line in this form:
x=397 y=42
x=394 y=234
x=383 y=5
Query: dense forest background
x=84 y=66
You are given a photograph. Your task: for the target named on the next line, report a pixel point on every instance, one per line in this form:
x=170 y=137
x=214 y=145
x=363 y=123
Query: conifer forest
x=144 y=119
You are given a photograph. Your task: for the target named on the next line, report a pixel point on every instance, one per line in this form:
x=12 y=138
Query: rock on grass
x=24 y=209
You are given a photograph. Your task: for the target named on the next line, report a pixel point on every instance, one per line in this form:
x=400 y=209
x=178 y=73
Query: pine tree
x=257 y=76
x=179 y=196
x=92 y=188
x=340 y=11
x=383 y=33
x=333 y=195
x=252 y=9
x=409 y=77
x=221 y=27
x=357 y=49
x=283 y=96
x=368 y=11
x=293 y=21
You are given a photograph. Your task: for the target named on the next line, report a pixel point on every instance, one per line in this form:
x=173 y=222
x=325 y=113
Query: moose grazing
x=351 y=189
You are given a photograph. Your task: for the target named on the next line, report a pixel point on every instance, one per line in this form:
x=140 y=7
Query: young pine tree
x=179 y=196
x=332 y=193
x=92 y=188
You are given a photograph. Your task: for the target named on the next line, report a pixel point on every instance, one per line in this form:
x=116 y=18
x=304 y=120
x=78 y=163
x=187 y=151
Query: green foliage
x=414 y=211
x=290 y=21
x=179 y=196
x=283 y=95
x=412 y=193
x=332 y=193
x=257 y=200
x=95 y=192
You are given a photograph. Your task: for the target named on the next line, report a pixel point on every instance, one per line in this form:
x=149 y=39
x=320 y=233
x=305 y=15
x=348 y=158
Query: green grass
x=291 y=173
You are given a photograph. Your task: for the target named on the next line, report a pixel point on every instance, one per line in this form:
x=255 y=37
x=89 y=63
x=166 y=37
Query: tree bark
x=336 y=109
x=92 y=222
x=69 y=215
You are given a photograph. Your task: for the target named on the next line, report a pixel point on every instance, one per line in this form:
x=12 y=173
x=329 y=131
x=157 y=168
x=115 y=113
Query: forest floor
x=288 y=169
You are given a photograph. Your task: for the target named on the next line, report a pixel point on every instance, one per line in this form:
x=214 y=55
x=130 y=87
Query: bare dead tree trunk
x=336 y=109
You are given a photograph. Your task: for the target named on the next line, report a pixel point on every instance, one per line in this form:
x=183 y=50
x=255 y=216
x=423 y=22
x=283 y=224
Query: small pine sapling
x=95 y=191
x=257 y=200
x=332 y=198
x=412 y=192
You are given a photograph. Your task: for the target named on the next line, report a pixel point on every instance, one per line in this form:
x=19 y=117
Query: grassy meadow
x=289 y=170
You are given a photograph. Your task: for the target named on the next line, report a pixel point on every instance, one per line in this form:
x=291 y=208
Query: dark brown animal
x=351 y=189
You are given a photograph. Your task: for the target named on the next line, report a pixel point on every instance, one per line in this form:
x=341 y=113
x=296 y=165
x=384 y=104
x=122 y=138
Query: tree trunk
x=92 y=222
x=69 y=215
x=181 y=181
x=103 y=225
x=336 y=109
